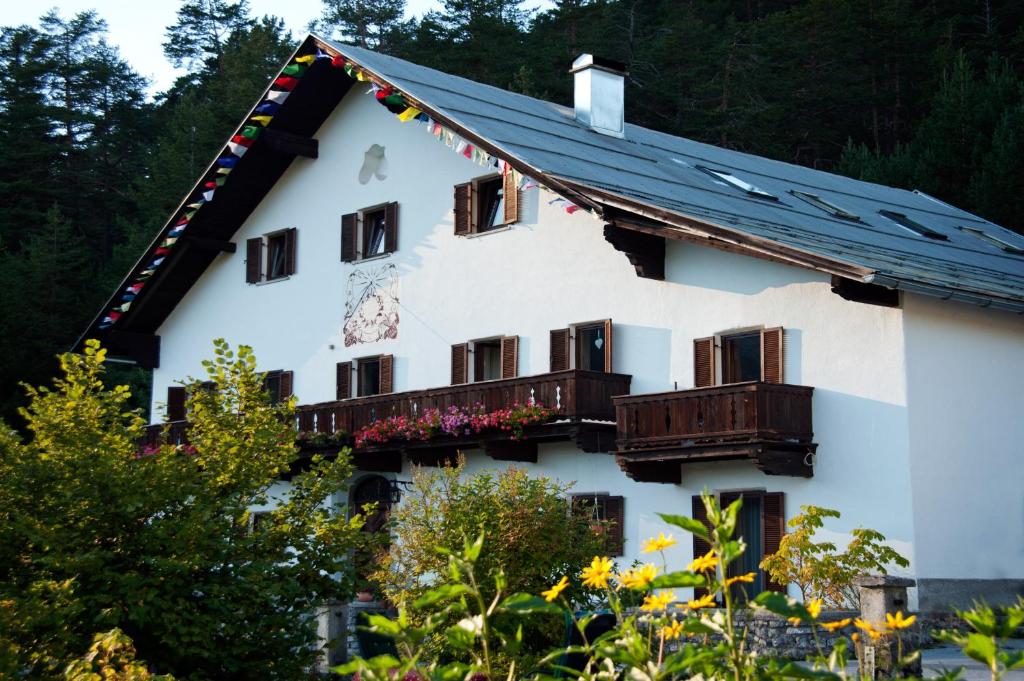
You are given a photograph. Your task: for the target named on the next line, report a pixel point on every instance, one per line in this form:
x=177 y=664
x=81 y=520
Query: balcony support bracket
x=512 y=450
x=667 y=472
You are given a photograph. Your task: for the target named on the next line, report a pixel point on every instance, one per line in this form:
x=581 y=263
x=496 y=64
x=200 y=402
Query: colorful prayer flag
x=263 y=120
x=237 y=149
x=253 y=131
x=409 y=114
x=277 y=96
x=286 y=82
x=307 y=58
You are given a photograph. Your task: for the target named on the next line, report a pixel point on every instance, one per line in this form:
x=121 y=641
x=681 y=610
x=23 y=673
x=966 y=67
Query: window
x=608 y=515
x=486 y=204
x=993 y=240
x=761 y=524
x=369 y=233
x=912 y=225
x=279 y=385
x=373 y=376
x=742 y=356
x=733 y=181
x=585 y=346
x=280 y=260
x=827 y=206
x=492 y=359
x=176 y=403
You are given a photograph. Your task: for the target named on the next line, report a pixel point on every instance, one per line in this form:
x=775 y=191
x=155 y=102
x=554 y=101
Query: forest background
x=923 y=94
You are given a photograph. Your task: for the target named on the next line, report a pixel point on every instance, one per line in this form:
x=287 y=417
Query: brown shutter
x=608 y=345
x=391 y=227
x=700 y=547
x=253 y=260
x=510 y=356
x=290 y=238
x=464 y=208
x=176 y=403
x=773 y=518
x=387 y=381
x=510 y=190
x=348 y=236
x=460 y=356
x=559 y=349
x=343 y=380
x=704 y=362
x=615 y=513
x=286 y=385
x=771 y=355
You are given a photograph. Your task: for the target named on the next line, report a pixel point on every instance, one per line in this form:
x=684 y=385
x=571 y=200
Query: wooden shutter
x=391 y=227
x=704 y=362
x=510 y=356
x=773 y=523
x=615 y=513
x=510 y=190
x=464 y=208
x=253 y=260
x=290 y=238
x=387 y=383
x=771 y=355
x=700 y=547
x=608 y=345
x=559 y=349
x=176 y=403
x=343 y=380
x=460 y=358
x=349 y=223
x=286 y=385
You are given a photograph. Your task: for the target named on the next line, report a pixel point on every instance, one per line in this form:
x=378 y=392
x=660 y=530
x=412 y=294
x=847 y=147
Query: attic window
x=736 y=182
x=913 y=226
x=827 y=206
x=994 y=240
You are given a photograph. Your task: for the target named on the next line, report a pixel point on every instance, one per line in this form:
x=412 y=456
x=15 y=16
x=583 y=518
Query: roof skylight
x=913 y=226
x=736 y=182
x=994 y=240
x=827 y=206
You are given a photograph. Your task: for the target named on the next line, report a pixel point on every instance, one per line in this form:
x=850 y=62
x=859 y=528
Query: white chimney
x=599 y=97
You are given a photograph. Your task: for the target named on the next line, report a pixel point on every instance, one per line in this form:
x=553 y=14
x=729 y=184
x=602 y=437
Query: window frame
x=357 y=365
x=911 y=225
x=469 y=206
x=269 y=241
x=737 y=183
x=362 y=233
x=258 y=262
x=992 y=240
x=720 y=348
x=825 y=205
x=366 y=233
x=476 y=364
x=498 y=205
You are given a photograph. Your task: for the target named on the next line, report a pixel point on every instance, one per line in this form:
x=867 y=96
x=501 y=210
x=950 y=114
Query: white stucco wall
x=551 y=270
x=965 y=369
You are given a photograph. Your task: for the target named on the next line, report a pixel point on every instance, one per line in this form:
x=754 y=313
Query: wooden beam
x=665 y=472
x=204 y=244
x=512 y=450
x=859 y=292
x=290 y=143
x=646 y=252
x=144 y=348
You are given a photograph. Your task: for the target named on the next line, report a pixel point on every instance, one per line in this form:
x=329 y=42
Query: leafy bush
x=96 y=533
x=534 y=537
x=819 y=569
x=111 y=658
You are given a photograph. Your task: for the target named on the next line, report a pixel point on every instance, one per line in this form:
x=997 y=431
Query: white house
x=698 y=317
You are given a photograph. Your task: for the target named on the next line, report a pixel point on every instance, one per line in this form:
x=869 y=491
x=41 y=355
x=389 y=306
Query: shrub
x=819 y=569
x=96 y=533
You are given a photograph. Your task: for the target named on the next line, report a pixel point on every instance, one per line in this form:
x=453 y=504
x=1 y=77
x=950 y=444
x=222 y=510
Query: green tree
x=159 y=542
x=203 y=29
x=375 y=24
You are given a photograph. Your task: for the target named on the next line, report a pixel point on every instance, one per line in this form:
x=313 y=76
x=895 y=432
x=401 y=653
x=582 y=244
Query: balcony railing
x=767 y=422
x=574 y=394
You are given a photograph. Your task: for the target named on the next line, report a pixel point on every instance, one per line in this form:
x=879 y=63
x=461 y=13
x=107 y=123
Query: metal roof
x=652 y=169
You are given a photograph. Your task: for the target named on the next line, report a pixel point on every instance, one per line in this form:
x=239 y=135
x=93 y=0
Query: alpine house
x=392 y=240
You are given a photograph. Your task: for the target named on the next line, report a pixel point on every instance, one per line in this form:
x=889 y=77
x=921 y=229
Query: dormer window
x=486 y=204
x=993 y=240
x=827 y=206
x=369 y=233
x=912 y=225
x=733 y=181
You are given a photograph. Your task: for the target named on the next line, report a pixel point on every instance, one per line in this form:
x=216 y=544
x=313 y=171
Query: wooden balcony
x=582 y=399
x=767 y=423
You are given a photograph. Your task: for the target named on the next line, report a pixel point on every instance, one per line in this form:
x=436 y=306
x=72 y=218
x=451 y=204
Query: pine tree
x=375 y=24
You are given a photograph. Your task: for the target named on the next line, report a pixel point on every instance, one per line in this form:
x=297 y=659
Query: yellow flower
x=672 y=631
x=597 y=573
x=898 y=622
x=660 y=543
x=869 y=629
x=838 y=624
x=705 y=601
x=706 y=562
x=813 y=609
x=748 y=578
x=639 y=578
x=552 y=593
x=855 y=637
x=654 y=602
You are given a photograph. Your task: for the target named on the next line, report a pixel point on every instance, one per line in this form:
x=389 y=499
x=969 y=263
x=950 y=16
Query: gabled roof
x=654 y=177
